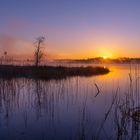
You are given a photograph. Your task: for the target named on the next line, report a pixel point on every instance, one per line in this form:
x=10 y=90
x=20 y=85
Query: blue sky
x=73 y=28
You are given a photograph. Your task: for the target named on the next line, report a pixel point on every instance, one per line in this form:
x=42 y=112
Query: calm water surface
x=64 y=109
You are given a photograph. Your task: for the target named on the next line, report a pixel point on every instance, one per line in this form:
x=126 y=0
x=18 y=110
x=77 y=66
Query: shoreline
x=49 y=72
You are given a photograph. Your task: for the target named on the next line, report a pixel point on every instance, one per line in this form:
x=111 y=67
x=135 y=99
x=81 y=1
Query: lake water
x=67 y=109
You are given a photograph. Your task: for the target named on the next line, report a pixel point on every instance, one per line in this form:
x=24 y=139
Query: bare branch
x=98 y=90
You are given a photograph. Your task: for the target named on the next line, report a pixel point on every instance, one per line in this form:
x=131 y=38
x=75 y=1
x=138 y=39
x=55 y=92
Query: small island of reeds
x=49 y=72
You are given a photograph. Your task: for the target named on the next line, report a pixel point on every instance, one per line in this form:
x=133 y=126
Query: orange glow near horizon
x=105 y=47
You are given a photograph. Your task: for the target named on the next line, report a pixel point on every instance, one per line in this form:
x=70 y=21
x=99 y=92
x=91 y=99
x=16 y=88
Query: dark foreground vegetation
x=48 y=72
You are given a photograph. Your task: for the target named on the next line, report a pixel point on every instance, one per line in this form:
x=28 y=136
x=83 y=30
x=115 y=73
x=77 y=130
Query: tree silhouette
x=38 y=51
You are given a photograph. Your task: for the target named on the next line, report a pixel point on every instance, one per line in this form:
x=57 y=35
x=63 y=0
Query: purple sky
x=73 y=28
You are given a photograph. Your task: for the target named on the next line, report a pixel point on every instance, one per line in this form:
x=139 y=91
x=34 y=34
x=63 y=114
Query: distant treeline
x=102 y=60
x=98 y=60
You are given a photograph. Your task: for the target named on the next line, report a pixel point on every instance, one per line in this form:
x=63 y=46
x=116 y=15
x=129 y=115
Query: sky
x=72 y=28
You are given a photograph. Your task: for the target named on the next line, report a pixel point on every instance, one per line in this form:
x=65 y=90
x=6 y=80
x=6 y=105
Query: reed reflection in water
x=66 y=109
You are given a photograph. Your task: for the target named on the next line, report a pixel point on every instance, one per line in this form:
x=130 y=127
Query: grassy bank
x=48 y=72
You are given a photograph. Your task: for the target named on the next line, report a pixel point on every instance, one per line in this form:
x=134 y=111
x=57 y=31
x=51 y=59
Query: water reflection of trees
x=36 y=99
x=50 y=104
x=53 y=104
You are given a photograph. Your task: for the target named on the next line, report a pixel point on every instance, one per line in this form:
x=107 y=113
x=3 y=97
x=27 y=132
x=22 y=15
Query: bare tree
x=38 y=51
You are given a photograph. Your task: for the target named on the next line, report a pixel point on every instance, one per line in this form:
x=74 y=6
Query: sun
x=105 y=57
x=105 y=54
